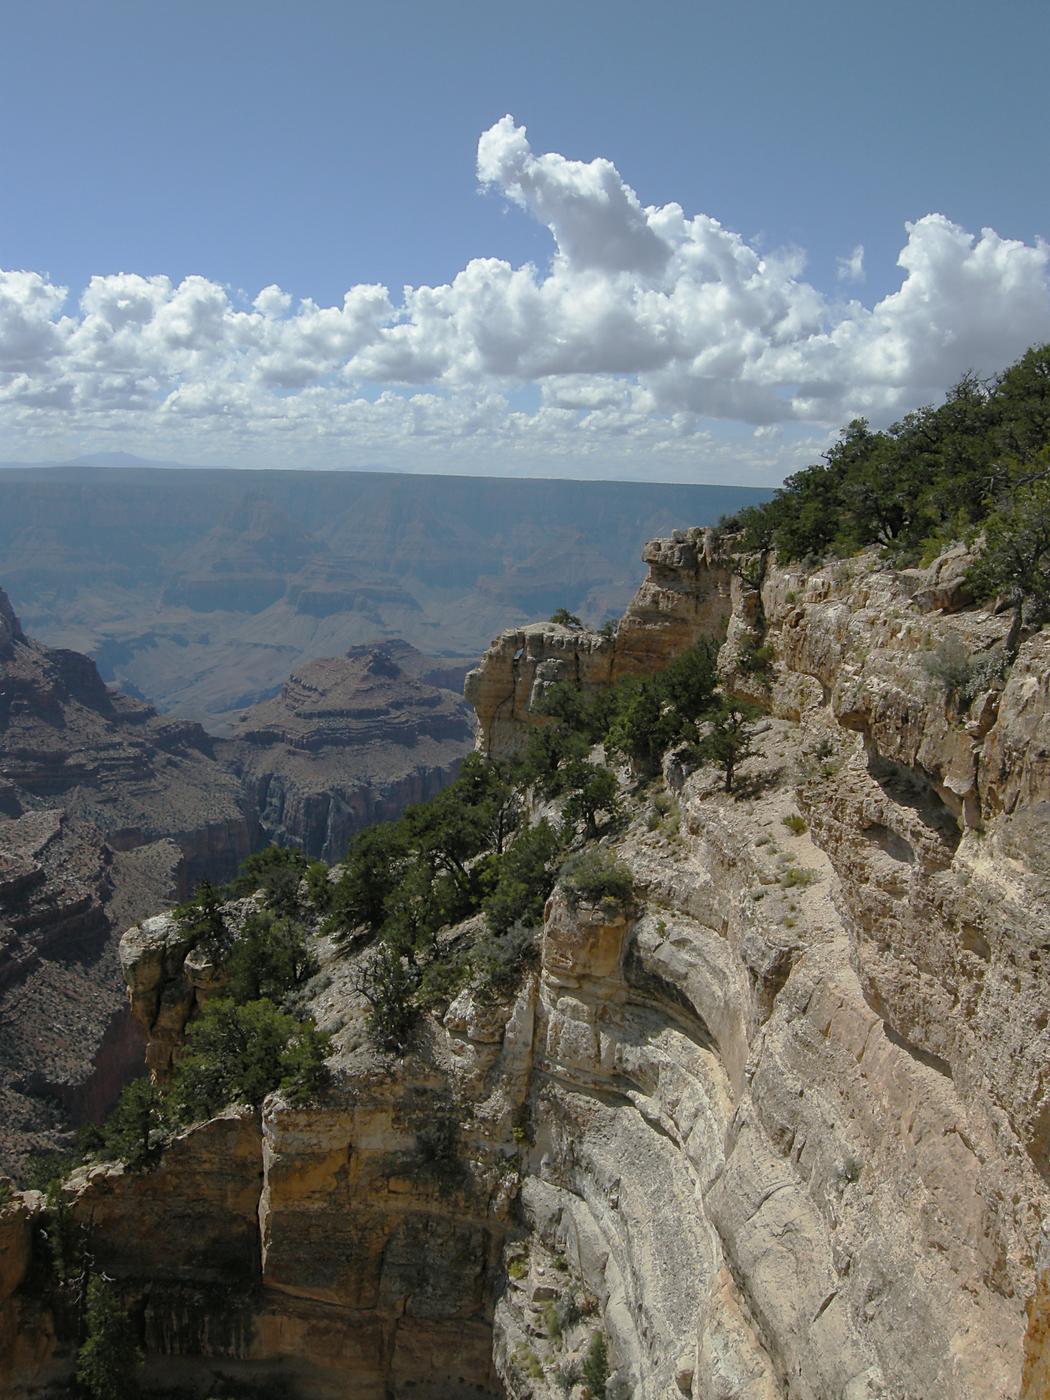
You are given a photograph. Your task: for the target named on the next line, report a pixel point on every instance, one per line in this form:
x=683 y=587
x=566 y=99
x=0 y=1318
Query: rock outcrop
x=687 y=594
x=775 y=1131
x=347 y=742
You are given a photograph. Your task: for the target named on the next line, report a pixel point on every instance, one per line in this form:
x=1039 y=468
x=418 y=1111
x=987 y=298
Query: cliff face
x=686 y=595
x=777 y=1132
x=872 y=1195
x=347 y=742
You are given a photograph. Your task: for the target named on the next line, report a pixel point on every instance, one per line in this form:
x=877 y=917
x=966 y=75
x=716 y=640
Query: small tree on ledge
x=728 y=742
x=564 y=618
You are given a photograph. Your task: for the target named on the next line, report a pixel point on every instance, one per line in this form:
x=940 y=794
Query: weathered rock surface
x=686 y=595
x=872 y=1160
x=778 y=1131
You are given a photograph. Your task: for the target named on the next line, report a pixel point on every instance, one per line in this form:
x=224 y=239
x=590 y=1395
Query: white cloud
x=851 y=269
x=647 y=327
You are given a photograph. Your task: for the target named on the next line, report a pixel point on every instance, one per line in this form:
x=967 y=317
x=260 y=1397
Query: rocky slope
x=106 y=810
x=778 y=1131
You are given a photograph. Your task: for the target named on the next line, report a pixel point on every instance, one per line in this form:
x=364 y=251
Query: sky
x=671 y=242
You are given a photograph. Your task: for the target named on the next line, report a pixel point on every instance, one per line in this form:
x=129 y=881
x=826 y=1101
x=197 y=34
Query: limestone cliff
x=777 y=1131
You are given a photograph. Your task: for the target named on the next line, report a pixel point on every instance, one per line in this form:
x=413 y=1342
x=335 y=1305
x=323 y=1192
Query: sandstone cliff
x=778 y=1131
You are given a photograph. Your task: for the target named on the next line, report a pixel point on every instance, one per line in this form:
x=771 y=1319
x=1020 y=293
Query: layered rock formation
x=200 y=590
x=347 y=742
x=106 y=811
x=686 y=595
x=777 y=1131
x=109 y=811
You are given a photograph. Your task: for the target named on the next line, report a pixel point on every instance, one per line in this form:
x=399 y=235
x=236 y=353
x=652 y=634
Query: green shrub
x=567 y=1376
x=388 y=984
x=936 y=475
x=109 y=1359
x=596 y=1366
x=590 y=789
x=795 y=823
x=728 y=741
x=305 y=1073
x=797 y=878
x=201 y=920
x=319 y=886
x=238 y=1053
x=47 y=1167
x=525 y=878
x=756 y=661
x=137 y=1125
x=962 y=675
x=269 y=958
x=278 y=871
x=565 y=618
x=596 y=878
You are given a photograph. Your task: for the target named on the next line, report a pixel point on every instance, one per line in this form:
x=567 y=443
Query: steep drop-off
x=776 y=1132
x=109 y=811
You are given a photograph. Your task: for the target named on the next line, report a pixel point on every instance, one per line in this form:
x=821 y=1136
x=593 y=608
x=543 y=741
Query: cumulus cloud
x=647 y=328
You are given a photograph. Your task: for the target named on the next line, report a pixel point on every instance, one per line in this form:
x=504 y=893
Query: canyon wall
x=109 y=811
x=777 y=1130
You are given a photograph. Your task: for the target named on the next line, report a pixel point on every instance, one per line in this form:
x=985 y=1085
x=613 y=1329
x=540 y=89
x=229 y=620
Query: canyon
x=200 y=590
x=778 y=1129
x=109 y=811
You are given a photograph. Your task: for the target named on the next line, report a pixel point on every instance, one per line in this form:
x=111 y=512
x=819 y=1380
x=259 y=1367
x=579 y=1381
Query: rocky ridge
x=776 y=1132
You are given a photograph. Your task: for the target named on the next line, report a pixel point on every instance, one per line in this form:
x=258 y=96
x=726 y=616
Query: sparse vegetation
x=728 y=741
x=596 y=1366
x=962 y=675
x=564 y=618
x=795 y=823
x=237 y=1053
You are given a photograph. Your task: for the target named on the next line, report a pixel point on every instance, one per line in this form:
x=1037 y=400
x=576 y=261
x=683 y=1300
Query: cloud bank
x=655 y=343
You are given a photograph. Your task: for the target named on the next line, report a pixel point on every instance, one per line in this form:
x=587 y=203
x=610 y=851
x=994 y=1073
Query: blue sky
x=320 y=147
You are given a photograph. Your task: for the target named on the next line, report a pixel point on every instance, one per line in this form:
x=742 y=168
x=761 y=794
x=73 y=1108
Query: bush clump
x=594 y=877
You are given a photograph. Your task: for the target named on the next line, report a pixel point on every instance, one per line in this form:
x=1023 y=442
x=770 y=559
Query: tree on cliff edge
x=109 y=1359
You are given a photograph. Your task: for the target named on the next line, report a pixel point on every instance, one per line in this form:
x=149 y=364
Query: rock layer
x=349 y=741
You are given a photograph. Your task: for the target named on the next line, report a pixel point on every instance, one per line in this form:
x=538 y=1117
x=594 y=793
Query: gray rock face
x=10 y=630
